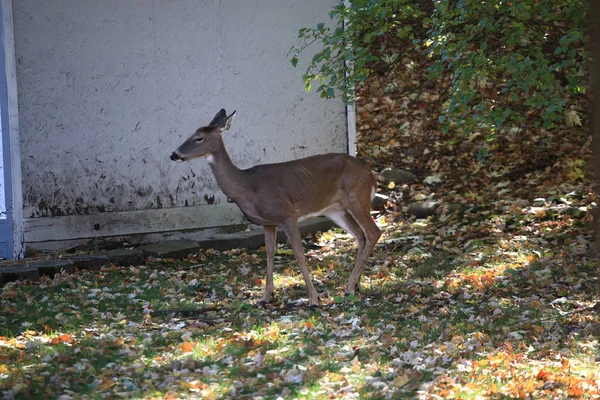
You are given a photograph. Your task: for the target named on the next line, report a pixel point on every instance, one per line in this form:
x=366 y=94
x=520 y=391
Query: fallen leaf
x=186 y=347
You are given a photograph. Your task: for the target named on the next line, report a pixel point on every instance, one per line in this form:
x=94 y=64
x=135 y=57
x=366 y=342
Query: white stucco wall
x=107 y=89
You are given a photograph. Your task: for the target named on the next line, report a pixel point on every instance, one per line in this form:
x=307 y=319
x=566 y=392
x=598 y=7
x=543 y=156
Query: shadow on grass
x=430 y=321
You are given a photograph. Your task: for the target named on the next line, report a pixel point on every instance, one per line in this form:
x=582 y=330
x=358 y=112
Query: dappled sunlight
x=427 y=322
x=484 y=306
x=513 y=369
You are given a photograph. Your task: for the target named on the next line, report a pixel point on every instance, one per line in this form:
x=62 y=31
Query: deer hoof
x=264 y=302
x=355 y=290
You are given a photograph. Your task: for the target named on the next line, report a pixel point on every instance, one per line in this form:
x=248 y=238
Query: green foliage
x=512 y=62
x=522 y=63
x=354 y=47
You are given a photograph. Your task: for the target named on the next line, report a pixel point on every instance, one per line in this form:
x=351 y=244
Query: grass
x=495 y=320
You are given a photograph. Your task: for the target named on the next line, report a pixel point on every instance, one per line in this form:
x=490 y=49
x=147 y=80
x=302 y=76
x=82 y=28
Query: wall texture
x=108 y=89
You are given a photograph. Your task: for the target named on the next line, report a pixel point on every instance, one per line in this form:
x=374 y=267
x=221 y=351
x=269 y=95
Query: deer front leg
x=293 y=233
x=270 y=244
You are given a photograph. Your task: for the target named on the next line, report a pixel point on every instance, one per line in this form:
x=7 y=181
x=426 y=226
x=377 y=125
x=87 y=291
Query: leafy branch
x=510 y=63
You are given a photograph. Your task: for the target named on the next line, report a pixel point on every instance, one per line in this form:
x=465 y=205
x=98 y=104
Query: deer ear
x=228 y=121
x=220 y=116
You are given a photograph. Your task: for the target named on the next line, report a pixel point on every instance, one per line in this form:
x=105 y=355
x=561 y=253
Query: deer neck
x=230 y=178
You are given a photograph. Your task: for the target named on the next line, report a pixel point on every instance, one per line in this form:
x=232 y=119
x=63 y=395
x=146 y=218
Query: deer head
x=206 y=140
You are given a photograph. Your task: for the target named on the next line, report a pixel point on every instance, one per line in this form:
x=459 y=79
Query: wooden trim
x=16 y=200
x=351 y=129
x=350 y=109
x=124 y=223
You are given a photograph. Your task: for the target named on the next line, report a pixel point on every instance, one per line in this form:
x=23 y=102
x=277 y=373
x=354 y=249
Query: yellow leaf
x=355 y=365
x=335 y=377
x=420 y=196
x=573 y=118
x=530 y=385
x=3 y=369
x=493 y=388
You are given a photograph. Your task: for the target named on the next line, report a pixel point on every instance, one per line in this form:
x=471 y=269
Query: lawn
x=500 y=302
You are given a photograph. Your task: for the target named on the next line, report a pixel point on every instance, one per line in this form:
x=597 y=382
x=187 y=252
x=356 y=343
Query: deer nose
x=175 y=156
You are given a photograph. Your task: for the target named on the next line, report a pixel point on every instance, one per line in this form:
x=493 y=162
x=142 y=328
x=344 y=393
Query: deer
x=280 y=195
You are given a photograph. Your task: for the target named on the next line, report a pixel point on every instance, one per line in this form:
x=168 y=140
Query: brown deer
x=282 y=194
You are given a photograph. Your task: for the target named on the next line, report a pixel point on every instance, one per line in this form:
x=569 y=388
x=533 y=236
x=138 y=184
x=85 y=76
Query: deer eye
x=199 y=140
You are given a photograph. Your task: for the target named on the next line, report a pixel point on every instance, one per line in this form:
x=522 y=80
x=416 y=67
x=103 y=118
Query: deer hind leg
x=360 y=211
x=290 y=228
x=346 y=221
x=270 y=243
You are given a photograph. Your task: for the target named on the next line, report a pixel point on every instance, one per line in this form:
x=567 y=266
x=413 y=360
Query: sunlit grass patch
x=509 y=372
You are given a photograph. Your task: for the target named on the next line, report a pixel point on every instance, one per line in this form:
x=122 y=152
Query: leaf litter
x=494 y=296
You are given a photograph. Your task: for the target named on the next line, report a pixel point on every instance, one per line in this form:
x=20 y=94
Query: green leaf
x=294 y=61
x=482 y=153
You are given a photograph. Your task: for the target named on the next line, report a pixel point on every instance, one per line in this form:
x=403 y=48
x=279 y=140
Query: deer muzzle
x=176 y=157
